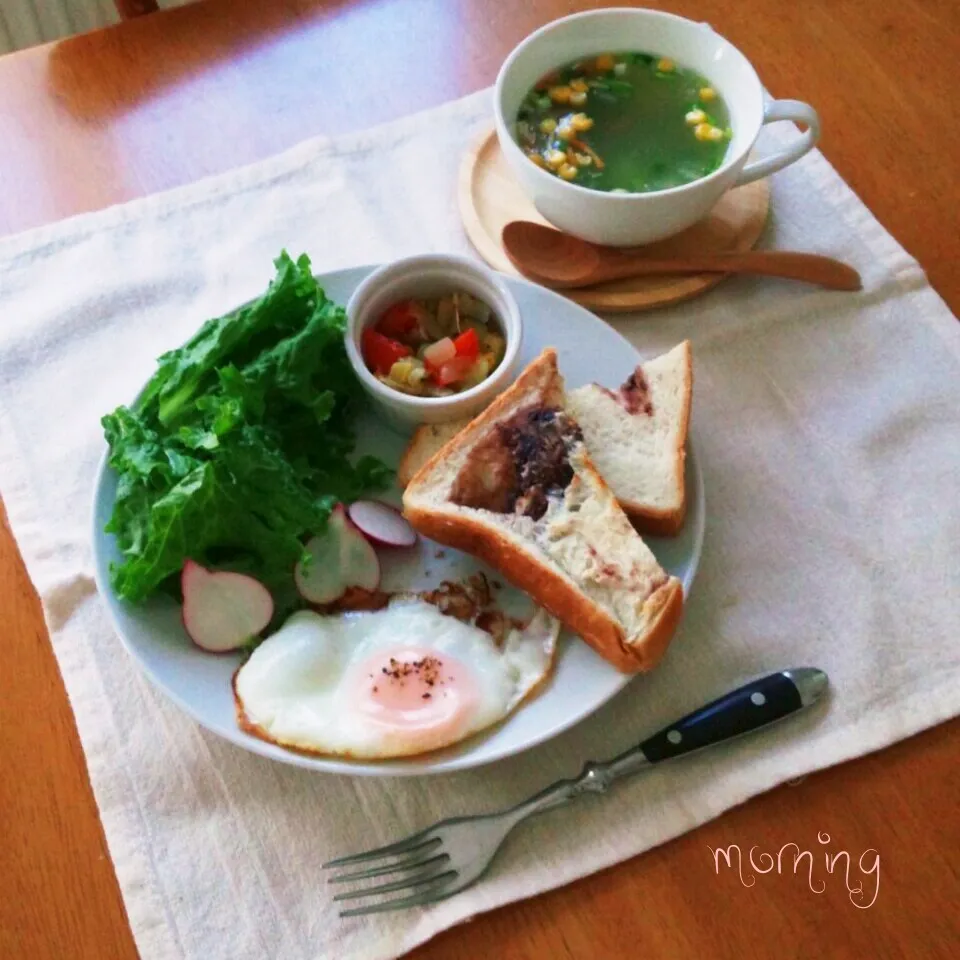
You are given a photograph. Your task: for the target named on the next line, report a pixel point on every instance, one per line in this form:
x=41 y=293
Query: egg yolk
x=421 y=694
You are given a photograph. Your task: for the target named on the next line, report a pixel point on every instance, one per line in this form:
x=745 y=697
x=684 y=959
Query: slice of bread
x=639 y=454
x=637 y=438
x=516 y=487
x=427 y=439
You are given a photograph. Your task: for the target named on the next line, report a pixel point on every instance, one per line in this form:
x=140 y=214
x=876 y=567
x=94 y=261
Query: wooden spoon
x=562 y=261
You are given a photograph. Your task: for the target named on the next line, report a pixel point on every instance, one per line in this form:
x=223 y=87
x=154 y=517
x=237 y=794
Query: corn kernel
x=578 y=99
x=592 y=154
x=695 y=117
x=605 y=62
x=560 y=94
x=478 y=372
x=495 y=348
x=548 y=125
x=707 y=94
x=565 y=131
x=581 y=122
x=555 y=159
x=583 y=159
x=536 y=159
x=401 y=370
x=402 y=387
x=579 y=85
x=702 y=131
x=567 y=172
x=619 y=69
x=666 y=65
x=715 y=133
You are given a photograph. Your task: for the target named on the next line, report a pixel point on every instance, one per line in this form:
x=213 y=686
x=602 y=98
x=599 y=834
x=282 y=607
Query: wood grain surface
x=169 y=98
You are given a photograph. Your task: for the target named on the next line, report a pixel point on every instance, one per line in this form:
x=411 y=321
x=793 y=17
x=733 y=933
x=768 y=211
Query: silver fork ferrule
x=594 y=778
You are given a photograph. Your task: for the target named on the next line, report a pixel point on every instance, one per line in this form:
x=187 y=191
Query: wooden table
x=172 y=97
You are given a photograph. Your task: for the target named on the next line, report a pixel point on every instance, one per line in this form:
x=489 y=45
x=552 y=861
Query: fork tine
x=408 y=864
x=410 y=845
x=406 y=883
x=430 y=895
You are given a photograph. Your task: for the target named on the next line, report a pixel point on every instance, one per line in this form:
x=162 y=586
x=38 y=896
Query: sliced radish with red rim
x=382 y=524
x=223 y=610
x=340 y=557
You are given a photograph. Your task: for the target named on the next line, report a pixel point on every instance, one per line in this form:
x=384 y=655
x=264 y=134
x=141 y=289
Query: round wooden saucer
x=490 y=198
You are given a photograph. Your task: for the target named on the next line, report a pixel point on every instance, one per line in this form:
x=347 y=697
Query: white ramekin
x=432 y=275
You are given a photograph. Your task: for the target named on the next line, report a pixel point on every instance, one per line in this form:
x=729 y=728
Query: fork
x=453 y=854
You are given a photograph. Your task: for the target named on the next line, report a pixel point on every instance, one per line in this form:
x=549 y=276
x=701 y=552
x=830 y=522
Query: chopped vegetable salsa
x=435 y=347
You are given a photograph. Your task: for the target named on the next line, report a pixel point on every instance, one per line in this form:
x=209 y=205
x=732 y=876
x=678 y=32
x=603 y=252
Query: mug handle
x=798 y=112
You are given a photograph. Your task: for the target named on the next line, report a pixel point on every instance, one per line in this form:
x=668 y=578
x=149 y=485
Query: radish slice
x=222 y=610
x=382 y=523
x=341 y=557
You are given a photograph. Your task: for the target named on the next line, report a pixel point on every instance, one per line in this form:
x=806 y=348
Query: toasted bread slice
x=636 y=438
x=516 y=487
x=427 y=439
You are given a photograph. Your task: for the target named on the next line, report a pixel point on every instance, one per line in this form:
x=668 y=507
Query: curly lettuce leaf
x=183 y=373
x=240 y=445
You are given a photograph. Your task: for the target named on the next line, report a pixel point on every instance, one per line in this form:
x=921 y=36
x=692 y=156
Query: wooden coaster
x=490 y=198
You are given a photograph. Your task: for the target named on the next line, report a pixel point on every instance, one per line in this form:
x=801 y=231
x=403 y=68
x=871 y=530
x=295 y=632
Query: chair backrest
x=135 y=8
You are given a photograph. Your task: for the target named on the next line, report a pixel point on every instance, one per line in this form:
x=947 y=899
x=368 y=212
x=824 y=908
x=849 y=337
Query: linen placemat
x=828 y=427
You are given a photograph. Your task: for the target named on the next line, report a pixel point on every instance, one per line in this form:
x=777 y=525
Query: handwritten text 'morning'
x=763 y=863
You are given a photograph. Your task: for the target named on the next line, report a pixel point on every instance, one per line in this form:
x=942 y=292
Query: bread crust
x=558 y=595
x=661 y=522
x=656 y=523
x=536 y=378
x=550 y=589
x=645 y=519
x=406 y=468
x=423 y=436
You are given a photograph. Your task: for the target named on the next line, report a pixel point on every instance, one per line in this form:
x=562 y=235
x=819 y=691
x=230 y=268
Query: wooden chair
x=135 y=8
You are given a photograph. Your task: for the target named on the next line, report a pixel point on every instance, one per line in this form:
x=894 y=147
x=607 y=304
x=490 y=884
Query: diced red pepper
x=398 y=320
x=453 y=370
x=380 y=352
x=468 y=344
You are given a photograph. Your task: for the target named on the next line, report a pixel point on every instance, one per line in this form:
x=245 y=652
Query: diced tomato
x=437 y=354
x=380 y=352
x=468 y=344
x=453 y=370
x=398 y=320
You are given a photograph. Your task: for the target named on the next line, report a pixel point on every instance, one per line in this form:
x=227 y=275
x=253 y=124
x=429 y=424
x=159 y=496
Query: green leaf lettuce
x=239 y=446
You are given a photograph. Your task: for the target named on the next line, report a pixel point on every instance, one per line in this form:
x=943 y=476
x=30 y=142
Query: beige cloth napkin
x=829 y=432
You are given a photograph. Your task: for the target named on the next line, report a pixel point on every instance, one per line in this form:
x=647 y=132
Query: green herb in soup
x=631 y=122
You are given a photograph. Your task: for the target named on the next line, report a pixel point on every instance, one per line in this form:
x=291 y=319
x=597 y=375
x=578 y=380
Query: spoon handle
x=809 y=267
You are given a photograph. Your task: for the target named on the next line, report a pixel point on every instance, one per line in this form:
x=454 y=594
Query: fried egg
x=390 y=683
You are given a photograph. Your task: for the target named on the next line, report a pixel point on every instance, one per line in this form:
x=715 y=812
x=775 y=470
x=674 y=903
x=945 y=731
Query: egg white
x=299 y=687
